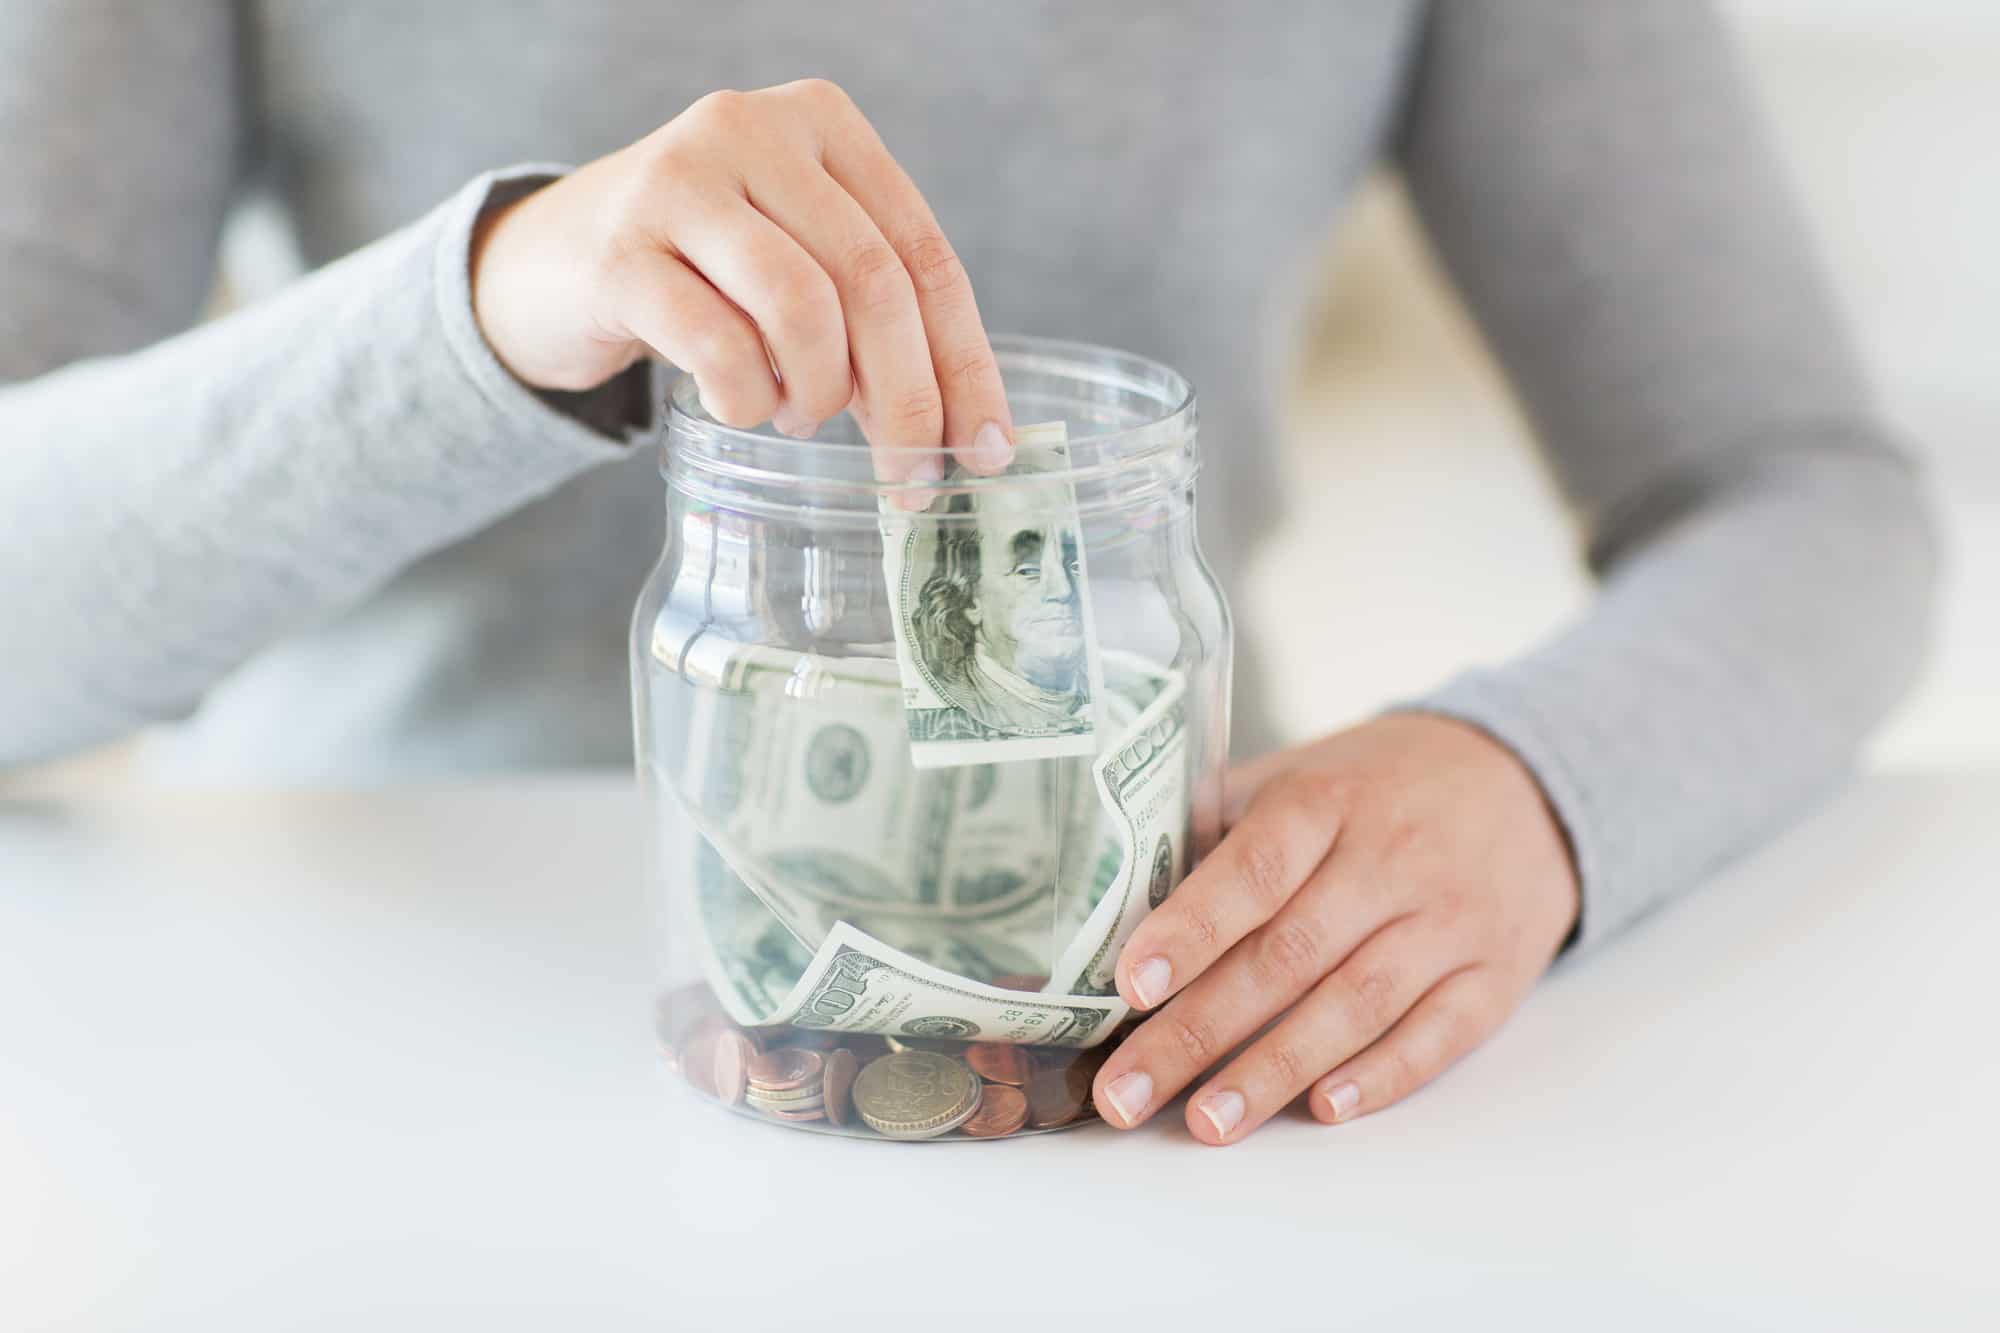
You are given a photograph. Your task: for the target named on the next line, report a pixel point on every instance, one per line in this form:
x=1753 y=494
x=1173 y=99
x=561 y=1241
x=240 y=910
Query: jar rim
x=688 y=422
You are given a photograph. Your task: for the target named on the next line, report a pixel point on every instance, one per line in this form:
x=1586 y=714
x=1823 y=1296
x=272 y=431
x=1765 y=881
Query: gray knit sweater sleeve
x=159 y=487
x=1602 y=193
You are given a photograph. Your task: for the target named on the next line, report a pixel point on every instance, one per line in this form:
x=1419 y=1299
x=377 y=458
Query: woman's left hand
x=1392 y=891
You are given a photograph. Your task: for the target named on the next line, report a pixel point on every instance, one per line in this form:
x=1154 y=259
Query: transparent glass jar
x=918 y=756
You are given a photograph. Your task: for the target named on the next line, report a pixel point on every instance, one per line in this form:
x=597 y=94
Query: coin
x=915 y=1094
x=1002 y=1110
x=815 y=1113
x=1020 y=981
x=733 y=1053
x=838 y=1083
x=1089 y=1061
x=694 y=1033
x=783 y=1109
x=1058 y=1096
x=777 y=1071
x=804 y=1092
x=675 y=1015
x=998 y=1062
x=697 y=1061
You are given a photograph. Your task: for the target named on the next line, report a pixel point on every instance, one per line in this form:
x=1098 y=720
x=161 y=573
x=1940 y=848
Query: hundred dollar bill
x=750 y=959
x=857 y=983
x=1094 y=842
x=798 y=784
x=1143 y=783
x=994 y=638
x=752 y=962
x=798 y=771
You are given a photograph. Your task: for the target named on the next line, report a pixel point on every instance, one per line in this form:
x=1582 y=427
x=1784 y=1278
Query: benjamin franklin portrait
x=999 y=620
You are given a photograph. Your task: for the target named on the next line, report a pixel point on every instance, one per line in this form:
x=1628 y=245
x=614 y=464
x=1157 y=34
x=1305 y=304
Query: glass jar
x=919 y=756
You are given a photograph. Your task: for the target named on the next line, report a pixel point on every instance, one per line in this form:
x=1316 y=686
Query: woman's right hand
x=768 y=244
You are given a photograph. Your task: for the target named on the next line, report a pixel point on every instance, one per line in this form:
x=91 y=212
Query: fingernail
x=1151 y=980
x=1223 y=1109
x=1128 y=1095
x=794 y=425
x=927 y=471
x=1341 y=1099
x=990 y=450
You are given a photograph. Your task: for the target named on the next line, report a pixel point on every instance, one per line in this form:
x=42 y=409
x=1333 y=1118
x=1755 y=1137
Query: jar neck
x=1130 y=445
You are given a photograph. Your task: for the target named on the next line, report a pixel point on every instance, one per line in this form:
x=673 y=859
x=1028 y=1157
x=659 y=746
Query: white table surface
x=382 y=1061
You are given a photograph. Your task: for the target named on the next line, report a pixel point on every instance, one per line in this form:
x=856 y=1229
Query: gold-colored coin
x=797 y=1094
x=774 y=1106
x=916 y=1094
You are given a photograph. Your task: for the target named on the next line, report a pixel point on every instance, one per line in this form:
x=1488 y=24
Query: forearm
x=1727 y=674
x=169 y=512
x=1599 y=184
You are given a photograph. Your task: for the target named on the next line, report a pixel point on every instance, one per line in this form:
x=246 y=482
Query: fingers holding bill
x=974 y=422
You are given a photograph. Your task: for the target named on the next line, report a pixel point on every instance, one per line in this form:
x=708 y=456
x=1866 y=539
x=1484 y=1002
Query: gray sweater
x=329 y=537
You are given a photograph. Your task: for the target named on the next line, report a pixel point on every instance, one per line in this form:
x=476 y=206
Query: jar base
x=899 y=1090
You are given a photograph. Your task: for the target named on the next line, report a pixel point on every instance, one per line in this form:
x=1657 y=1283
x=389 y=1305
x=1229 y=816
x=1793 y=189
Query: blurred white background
x=1419 y=510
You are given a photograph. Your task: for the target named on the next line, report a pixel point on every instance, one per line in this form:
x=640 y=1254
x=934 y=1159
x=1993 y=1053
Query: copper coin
x=676 y=1012
x=999 y=1062
x=1055 y=1097
x=690 y=1032
x=816 y=1113
x=1020 y=981
x=733 y=1053
x=838 y=1083
x=1002 y=1110
x=1090 y=1061
x=697 y=1061
x=783 y=1070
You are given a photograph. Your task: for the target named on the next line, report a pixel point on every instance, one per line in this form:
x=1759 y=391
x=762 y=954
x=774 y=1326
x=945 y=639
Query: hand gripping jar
x=920 y=755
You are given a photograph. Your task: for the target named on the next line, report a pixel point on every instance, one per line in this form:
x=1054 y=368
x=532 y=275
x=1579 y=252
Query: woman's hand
x=1392 y=891
x=767 y=243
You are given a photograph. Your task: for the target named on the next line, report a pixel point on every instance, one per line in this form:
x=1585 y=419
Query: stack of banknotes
x=877 y=842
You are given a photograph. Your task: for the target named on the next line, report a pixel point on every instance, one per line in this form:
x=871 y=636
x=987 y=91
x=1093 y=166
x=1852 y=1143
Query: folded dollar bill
x=994 y=637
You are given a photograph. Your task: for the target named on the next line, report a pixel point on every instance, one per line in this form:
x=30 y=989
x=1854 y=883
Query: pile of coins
x=899 y=1087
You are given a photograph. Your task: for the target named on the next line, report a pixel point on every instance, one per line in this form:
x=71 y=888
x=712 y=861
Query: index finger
x=978 y=428
x=1282 y=838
